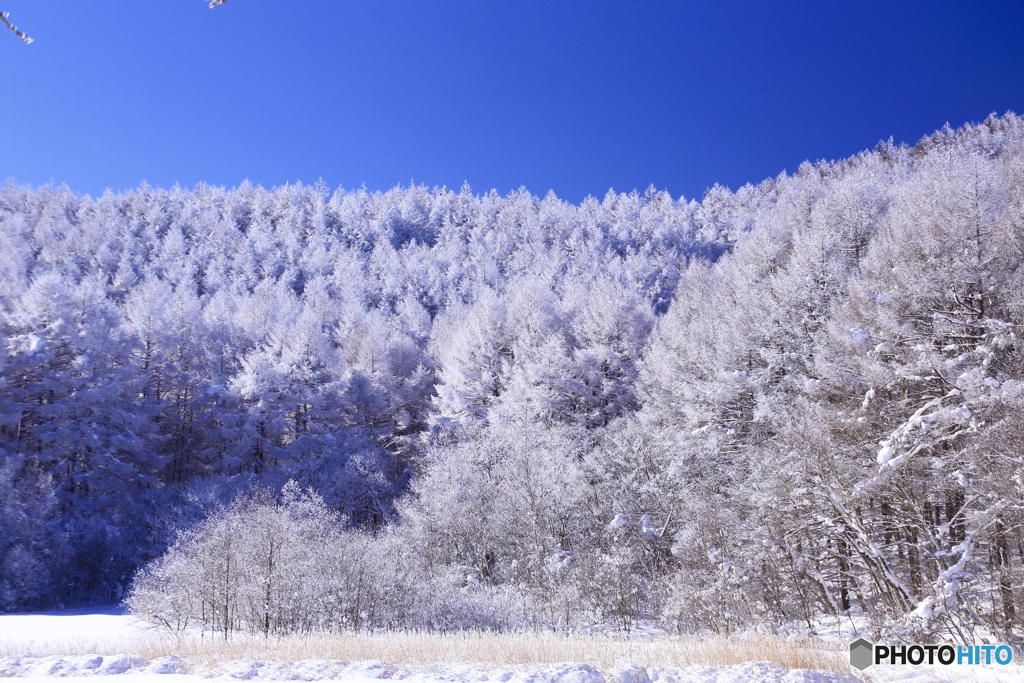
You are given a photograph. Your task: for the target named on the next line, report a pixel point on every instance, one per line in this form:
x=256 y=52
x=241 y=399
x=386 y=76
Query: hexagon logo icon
x=861 y=654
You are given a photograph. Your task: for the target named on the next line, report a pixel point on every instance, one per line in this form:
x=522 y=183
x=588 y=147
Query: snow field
x=44 y=647
x=166 y=670
x=107 y=635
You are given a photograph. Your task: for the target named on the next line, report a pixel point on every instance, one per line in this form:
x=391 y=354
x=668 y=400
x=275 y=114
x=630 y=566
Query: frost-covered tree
x=33 y=550
x=790 y=402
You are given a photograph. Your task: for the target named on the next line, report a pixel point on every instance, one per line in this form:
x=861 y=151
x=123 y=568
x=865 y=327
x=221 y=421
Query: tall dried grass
x=415 y=650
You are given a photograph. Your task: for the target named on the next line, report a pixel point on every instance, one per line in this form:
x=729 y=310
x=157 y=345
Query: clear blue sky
x=575 y=96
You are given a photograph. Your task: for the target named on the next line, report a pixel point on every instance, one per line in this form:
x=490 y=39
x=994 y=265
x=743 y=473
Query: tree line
x=792 y=402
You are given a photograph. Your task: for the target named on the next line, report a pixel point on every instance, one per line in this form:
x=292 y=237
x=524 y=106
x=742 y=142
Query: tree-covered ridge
x=160 y=341
x=793 y=400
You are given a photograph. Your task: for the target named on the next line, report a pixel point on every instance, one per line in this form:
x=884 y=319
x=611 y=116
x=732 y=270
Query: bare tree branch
x=25 y=38
x=28 y=39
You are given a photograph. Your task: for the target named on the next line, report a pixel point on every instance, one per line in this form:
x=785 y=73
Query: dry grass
x=417 y=650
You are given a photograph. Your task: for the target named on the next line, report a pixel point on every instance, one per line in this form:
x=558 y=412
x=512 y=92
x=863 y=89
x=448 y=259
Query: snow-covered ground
x=68 y=626
x=35 y=633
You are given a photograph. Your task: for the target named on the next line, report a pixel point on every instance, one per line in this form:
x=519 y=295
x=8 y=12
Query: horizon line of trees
x=797 y=401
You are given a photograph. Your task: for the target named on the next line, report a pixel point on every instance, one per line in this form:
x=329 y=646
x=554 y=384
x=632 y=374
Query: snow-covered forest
x=300 y=410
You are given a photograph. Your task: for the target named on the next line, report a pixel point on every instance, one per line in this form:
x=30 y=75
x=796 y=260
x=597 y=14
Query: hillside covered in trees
x=427 y=408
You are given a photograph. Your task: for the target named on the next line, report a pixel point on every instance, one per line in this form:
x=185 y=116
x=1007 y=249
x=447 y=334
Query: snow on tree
x=791 y=401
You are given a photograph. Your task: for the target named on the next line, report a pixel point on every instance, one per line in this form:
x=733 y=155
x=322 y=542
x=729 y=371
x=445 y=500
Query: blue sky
x=571 y=96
